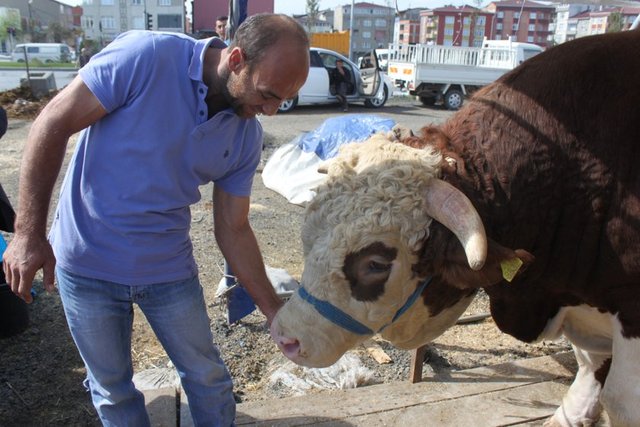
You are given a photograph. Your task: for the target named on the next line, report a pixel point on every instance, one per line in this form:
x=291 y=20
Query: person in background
x=162 y=114
x=221 y=28
x=341 y=79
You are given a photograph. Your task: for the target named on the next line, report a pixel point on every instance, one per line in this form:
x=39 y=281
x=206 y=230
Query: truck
x=444 y=75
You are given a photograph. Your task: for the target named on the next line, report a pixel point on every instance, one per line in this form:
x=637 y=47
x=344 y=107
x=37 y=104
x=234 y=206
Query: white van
x=45 y=52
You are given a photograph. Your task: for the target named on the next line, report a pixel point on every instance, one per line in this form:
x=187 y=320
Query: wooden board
x=507 y=394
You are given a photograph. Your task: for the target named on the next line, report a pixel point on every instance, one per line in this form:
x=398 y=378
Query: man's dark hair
x=259 y=32
x=222 y=18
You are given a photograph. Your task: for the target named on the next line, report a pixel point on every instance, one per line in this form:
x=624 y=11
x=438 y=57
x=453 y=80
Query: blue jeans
x=100 y=318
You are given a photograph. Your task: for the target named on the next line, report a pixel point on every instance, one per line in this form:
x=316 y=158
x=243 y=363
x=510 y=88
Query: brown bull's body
x=547 y=156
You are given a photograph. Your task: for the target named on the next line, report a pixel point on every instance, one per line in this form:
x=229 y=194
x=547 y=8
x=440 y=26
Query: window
x=107 y=22
x=499 y=27
x=532 y=27
x=163 y=3
x=107 y=2
x=500 y=15
x=366 y=22
x=449 y=20
x=381 y=23
x=533 y=15
x=481 y=20
x=169 y=21
x=366 y=34
x=138 y=23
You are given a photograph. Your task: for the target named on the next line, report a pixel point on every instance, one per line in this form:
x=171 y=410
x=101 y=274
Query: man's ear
x=236 y=60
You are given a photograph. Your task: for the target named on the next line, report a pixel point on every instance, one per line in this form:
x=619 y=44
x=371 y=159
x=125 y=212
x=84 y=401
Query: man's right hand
x=22 y=259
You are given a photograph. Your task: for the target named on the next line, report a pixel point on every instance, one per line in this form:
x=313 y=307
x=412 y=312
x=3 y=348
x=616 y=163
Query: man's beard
x=233 y=85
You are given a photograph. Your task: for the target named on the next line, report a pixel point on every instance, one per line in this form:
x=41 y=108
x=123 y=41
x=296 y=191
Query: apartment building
x=456 y=26
x=523 y=20
x=372 y=26
x=103 y=20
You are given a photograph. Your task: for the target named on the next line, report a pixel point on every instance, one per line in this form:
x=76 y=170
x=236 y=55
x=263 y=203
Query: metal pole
x=351 y=33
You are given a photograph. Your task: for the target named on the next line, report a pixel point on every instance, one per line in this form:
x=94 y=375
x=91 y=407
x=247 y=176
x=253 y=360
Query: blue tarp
x=327 y=138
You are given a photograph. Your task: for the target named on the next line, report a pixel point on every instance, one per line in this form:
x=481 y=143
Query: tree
x=313 y=7
x=615 y=23
x=10 y=26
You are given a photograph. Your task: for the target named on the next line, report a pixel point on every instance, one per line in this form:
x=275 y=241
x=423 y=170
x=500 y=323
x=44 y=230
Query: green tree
x=59 y=33
x=11 y=19
x=313 y=7
x=615 y=23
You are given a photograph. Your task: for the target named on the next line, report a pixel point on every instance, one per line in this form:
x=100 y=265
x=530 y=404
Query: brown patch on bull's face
x=368 y=270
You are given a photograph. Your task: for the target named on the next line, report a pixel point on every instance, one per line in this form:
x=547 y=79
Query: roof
x=528 y=4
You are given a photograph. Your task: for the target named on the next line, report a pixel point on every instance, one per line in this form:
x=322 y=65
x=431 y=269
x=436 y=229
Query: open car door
x=370 y=75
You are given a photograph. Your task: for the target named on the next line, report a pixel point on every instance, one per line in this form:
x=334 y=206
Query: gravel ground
x=41 y=376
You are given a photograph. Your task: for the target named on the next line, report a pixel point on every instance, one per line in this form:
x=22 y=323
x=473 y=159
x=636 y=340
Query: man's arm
x=240 y=248
x=72 y=110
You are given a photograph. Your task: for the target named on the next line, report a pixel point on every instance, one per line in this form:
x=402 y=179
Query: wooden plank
x=161 y=406
x=532 y=402
x=417 y=361
x=378 y=399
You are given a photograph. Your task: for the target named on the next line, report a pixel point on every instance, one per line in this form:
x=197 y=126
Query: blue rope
x=342 y=319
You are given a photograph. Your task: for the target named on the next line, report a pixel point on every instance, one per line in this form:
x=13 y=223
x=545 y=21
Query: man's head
x=268 y=62
x=221 y=26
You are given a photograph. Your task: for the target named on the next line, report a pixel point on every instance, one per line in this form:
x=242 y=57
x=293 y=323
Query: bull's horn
x=450 y=207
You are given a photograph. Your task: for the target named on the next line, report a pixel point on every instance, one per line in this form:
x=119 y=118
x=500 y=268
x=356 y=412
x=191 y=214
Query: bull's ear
x=446 y=258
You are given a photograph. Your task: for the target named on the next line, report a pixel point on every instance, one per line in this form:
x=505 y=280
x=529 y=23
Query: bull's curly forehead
x=374 y=188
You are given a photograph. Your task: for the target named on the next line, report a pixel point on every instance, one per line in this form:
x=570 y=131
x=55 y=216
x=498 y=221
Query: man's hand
x=24 y=256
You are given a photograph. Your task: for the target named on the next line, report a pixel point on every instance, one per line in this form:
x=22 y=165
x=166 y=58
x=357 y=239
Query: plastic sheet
x=291 y=170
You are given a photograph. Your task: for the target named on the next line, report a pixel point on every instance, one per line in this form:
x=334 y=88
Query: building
x=406 y=29
x=205 y=12
x=372 y=26
x=523 y=21
x=322 y=24
x=39 y=18
x=599 y=20
x=560 y=27
x=103 y=20
x=458 y=26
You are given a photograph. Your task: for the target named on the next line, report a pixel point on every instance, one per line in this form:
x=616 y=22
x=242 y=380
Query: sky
x=297 y=7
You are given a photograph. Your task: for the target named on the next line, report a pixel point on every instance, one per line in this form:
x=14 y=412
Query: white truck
x=445 y=74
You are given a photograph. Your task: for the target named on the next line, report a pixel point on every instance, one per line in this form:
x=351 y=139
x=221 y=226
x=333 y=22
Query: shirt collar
x=197 y=60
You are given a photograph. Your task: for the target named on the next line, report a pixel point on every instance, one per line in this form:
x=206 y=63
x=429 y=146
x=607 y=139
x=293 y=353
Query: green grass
x=37 y=64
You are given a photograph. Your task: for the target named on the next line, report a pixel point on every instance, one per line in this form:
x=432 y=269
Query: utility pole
x=30 y=20
x=351 y=33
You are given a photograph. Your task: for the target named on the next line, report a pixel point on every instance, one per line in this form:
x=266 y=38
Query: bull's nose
x=290 y=347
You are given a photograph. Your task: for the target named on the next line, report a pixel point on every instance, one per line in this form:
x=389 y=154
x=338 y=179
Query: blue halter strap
x=342 y=319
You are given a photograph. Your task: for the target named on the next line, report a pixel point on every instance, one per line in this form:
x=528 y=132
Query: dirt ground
x=41 y=372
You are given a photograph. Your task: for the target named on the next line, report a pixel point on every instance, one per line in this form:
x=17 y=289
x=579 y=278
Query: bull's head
x=364 y=235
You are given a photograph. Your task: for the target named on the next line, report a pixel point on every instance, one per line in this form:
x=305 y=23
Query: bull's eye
x=368 y=270
x=378 y=267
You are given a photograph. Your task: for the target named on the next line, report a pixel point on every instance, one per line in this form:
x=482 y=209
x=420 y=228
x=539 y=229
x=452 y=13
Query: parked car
x=369 y=85
x=45 y=52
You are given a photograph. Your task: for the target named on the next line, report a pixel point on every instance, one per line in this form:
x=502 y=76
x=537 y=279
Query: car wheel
x=453 y=99
x=288 y=105
x=379 y=100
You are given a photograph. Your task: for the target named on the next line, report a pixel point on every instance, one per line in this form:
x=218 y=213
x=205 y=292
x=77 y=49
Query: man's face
x=261 y=87
x=221 y=29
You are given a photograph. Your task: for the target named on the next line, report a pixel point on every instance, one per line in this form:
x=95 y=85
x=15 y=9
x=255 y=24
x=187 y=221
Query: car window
x=314 y=59
x=329 y=61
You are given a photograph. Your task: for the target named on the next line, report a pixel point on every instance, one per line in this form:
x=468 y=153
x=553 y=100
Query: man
x=164 y=114
x=340 y=80
x=221 y=28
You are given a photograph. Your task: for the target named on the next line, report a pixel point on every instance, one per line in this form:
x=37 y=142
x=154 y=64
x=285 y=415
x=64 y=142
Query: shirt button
x=201 y=90
x=201 y=113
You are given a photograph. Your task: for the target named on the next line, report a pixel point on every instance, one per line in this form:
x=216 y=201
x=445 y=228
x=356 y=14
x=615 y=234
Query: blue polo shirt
x=123 y=213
